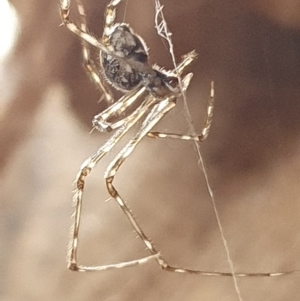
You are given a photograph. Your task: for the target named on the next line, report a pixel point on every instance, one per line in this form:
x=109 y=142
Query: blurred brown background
x=252 y=51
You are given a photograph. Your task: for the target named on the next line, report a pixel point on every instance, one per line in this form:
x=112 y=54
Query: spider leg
x=205 y=130
x=109 y=16
x=64 y=12
x=88 y=62
x=186 y=60
x=101 y=122
x=85 y=170
x=156 y=114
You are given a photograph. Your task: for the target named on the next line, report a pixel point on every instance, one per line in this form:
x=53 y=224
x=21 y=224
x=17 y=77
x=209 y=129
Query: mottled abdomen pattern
x=124 y=43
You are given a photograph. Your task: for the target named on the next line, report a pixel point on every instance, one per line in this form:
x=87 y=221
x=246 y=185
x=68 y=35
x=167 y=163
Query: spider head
x=160 y=84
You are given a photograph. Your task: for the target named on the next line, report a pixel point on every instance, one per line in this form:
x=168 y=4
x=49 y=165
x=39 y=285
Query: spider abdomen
x=124 y=43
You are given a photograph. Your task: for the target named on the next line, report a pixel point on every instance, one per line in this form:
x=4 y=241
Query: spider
x=125 y=65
